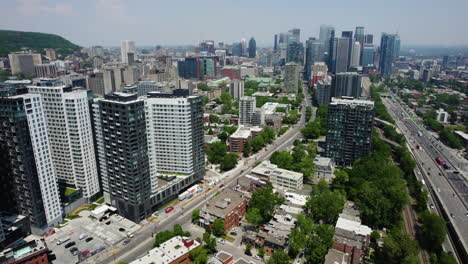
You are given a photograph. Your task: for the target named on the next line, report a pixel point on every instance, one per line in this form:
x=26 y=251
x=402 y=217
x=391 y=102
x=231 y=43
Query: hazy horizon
x=167 y=23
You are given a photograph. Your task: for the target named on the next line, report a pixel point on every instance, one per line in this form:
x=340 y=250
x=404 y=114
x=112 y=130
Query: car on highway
x=221 y=186
x=446 y=166
x=439 y=160
x=169 y=209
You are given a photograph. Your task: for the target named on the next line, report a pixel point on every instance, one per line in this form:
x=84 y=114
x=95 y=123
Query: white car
x=83 y=236
x=130 y=235
x=221 y=241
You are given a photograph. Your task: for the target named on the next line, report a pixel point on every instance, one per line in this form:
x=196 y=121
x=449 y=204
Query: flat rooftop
x=267 y=169
x=224 y=203
x=351 y=101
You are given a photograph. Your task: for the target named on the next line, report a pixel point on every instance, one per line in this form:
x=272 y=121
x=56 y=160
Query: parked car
x=130 y=235
x=169 y=209
x=83 y=236
x=63 y=240
x=88 y=239
x=74 y=251
x=70 y=244
x=122 y=229
x=126 y=241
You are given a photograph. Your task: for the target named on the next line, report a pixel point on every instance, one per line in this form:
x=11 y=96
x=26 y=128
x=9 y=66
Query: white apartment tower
x=70 y=132
x=246 y=109
x=126 y=47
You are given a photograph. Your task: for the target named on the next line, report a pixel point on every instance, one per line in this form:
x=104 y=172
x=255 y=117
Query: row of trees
x=164 y=236
x=258 y=142
x=380 y=109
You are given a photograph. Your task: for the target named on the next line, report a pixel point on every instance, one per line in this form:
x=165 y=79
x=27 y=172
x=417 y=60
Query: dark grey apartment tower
x=349 y=36
x=123 y=152
x=346 y=84
x=295 y=52
x=275 y=44
x=252 y=49
x=312 y=54
x=349 y=130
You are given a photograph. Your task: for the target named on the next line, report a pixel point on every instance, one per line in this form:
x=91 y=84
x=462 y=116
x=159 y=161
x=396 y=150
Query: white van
x=63 y=240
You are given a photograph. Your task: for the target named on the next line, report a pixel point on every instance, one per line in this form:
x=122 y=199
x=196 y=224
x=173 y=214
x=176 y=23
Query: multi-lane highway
x=142 y=241
x=448 y=186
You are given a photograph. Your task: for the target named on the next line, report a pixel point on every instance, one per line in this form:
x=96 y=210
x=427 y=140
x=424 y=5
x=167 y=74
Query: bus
x=440 y=160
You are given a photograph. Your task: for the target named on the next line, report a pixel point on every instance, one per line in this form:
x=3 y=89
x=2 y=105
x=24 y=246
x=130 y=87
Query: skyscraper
x=326 y=35
x=389 y=51
x=356 y=55
x=295 y=34
x=347 y=84
x=367 y=55
x=70 y=133
x=126 y=47
x=120 y=127
x=207 y=46
x=340 y=55
x=207 y=67
x=313 y=54
x=236 y=49
x=29 y=184
x=24 y=62
x=243 y=43
x=349 y=130
x=359 y=35
x=295 y=52
x=369 y=39
x=252 y=48
x=349 y=36
x=291 y=77
x=275 y=44
x=246 y=109
x=236 y=89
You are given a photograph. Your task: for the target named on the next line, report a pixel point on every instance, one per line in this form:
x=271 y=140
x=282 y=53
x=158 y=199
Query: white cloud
x=29 y=7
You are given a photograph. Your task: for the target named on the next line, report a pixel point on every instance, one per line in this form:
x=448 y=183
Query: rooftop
x=266 y=168
x=168 y=251
x=351 y=101
x=322 y=161
x=224 y=203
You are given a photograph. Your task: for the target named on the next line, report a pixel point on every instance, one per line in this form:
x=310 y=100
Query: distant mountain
x=11 y=41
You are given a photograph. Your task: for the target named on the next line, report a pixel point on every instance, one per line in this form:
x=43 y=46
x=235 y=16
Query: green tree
x=162 y=237
x=445 y=258
x=210 y=242
x=205 y=100
x=229 y=162
x=247 y=149
x=226 y=99
x=283 y=159
x=434 y=231
x=214 y=119
x=261 y=252
x=278 y=257
x=196 y=216
x=257 y=143
x=340 y=180
x=216 y=152
x=199 y=255
x=203 y=87
x=268 y=134
x=254 y=217
x=248 y=249
x=265 y=200
x=311 y=130
x=325 y=206
x=218 y=227
x=397 y=248
x=223 y=136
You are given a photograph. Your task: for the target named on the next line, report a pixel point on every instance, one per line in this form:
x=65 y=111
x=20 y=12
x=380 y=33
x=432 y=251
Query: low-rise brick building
x=229 y=205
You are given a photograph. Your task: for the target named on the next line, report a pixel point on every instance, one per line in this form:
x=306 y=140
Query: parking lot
x=109 y=232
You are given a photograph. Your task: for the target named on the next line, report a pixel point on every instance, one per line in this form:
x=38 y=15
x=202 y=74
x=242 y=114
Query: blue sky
x=171 y=22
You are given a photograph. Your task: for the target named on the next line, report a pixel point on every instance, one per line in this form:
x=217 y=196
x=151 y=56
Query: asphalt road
x=451 y=199
x=142 y=241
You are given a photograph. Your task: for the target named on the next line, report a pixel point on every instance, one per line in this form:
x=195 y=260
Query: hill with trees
x=11 y=41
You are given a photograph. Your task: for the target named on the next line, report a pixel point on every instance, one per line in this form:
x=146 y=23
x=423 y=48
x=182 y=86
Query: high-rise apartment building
x=294 y=35
x=144 y=87
x=327 y=33
x=252 y=48
x=122 y=144
x=207 y=67
x=291 y=77
x=236 y=49
x=68 y=118
x=349 y=130
x=389 y=51
x=247 y=106
x=126 y=47
x=24 y=62
x=323 y=94
x=369 y=39
x=347 y=84
x=359 y=35
x=174 y=128
x=29 y=184
x=237 y=89
x=340 y=55
x=95 y=83
x=207 y=46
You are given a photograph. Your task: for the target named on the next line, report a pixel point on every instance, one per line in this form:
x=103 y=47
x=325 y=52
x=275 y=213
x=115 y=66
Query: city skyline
x=107 y=22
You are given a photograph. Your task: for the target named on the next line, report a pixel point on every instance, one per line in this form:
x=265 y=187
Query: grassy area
x=69 y=191
x=229 y=238
x=217 y=193
x=100 y=200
